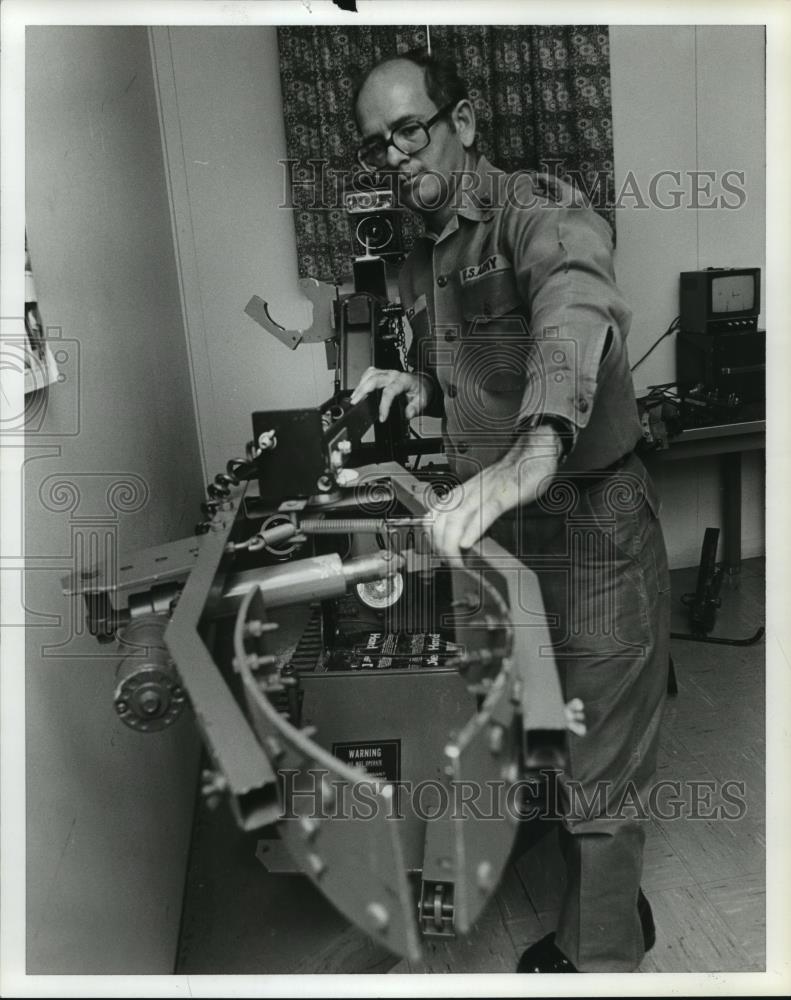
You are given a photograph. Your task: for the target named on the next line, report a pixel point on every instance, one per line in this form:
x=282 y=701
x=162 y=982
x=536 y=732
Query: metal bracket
x=357 y=861
x=162 y=569
x=321 y=296
x=155 y=565
x=485 y=756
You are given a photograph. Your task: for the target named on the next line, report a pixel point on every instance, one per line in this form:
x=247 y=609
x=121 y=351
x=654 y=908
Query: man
x=518 y=343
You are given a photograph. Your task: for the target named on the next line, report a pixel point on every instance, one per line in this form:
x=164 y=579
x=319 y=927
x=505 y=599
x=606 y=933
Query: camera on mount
x=375 y=223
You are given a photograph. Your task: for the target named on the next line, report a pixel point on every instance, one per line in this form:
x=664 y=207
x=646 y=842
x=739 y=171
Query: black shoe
x=646 y=921
x=545 y=956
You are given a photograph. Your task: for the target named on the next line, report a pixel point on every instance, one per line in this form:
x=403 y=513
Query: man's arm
x=519 y=477
x=563 y=267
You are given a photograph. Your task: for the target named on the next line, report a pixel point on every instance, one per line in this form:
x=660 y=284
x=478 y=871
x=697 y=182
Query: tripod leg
x=672 y=684
x=719 y=641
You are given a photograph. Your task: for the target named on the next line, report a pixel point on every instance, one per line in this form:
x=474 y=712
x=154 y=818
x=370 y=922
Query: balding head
x=438 y=71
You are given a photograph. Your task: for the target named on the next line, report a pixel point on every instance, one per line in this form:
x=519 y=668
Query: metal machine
x=371 y=710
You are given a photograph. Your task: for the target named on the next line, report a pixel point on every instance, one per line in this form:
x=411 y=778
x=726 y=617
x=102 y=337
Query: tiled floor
x=705 y=878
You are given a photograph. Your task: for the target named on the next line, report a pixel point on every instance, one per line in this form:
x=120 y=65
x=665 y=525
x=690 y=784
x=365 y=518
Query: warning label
x=381 y=759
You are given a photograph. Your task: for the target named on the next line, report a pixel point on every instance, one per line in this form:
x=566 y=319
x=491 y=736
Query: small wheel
x=438 y=907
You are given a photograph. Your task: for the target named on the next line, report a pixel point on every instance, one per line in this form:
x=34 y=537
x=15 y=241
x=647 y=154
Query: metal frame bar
x=232 y=744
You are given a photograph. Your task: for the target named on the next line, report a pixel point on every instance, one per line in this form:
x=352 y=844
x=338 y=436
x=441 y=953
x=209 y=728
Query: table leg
x=731 y=485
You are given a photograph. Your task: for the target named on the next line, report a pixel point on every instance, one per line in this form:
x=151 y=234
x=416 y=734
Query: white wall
x=225 y=138
x=109 y=811
x=688 y=99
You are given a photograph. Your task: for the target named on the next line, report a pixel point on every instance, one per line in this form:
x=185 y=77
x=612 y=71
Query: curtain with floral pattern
x=541 y=96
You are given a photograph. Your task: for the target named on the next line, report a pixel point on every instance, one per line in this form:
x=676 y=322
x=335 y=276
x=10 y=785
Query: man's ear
x=463 y=117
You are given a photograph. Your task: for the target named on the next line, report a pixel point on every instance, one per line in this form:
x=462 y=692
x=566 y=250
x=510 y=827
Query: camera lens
x=375 y=232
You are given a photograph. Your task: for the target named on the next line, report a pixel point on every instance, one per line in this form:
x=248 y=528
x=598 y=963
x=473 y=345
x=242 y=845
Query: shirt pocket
x=493 y=351
x=488 y=297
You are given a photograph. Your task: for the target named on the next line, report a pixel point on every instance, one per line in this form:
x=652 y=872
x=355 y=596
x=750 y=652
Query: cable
x=673 y=328
x=656 y=393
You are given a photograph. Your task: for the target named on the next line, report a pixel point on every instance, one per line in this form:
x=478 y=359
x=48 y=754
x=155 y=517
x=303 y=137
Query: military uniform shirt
x=515 y=315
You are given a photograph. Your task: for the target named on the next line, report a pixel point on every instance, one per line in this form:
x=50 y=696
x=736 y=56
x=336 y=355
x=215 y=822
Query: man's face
x=393 y=94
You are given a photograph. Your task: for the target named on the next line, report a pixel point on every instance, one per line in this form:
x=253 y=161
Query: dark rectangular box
x=720 y=299
x=725 y=362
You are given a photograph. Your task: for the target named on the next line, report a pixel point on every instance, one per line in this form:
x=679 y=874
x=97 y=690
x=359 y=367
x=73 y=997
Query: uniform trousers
x=597 y=547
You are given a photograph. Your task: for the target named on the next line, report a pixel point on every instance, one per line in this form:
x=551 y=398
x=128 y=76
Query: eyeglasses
x=409 y=138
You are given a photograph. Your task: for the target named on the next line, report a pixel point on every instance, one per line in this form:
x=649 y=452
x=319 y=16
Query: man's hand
x=517 y=478
x=415 y=387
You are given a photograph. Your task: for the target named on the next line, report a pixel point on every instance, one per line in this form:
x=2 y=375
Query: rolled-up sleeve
x=562 y=258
